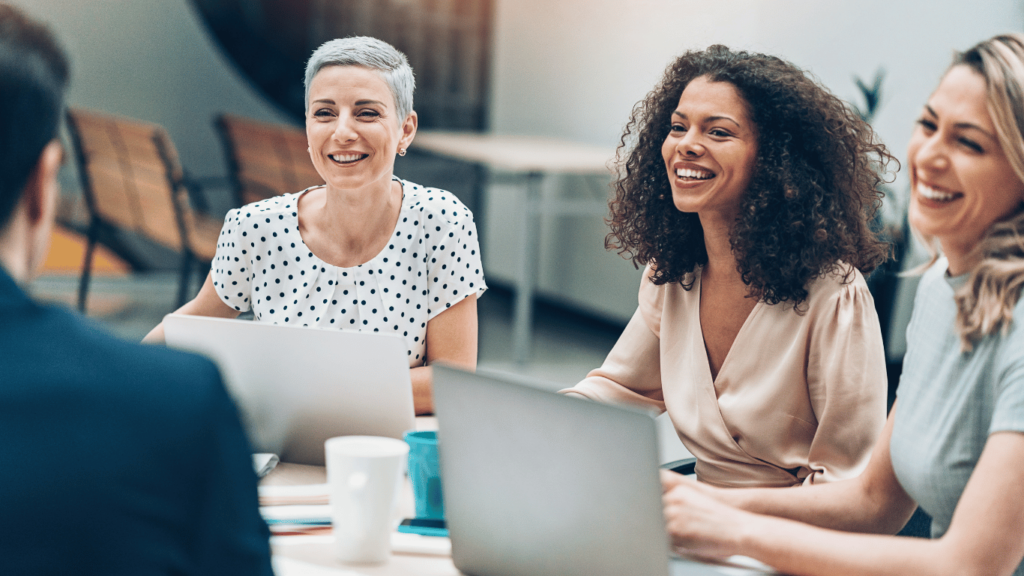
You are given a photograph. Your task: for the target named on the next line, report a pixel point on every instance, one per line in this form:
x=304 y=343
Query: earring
x=401 y=151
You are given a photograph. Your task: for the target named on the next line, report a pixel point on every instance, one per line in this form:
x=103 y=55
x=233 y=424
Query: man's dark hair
x=33 y=79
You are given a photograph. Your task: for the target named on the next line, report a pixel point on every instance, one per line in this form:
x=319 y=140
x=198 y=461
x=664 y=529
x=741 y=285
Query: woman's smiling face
x=352 y=128
x=710 y=149
x=961 y=180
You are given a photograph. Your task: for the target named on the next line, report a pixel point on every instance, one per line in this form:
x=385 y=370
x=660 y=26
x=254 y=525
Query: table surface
x=314 y=555
x=526 y=154
x=318 y=551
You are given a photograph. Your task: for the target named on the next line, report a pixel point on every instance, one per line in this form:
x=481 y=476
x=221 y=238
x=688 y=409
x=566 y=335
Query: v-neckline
x=715 y=379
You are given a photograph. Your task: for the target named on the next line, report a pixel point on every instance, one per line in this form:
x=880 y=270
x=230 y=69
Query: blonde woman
x=953 y=443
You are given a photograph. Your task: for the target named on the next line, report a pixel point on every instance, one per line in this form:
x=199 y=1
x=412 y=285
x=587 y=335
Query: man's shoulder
x=59 y=347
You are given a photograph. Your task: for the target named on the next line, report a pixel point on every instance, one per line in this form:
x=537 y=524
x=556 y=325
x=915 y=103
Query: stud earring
x=401 y=151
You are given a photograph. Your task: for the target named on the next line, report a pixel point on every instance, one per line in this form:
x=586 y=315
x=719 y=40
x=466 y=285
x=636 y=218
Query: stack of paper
x=294 y=495
x=295 y=510
x=284 y=566
x=304 y=511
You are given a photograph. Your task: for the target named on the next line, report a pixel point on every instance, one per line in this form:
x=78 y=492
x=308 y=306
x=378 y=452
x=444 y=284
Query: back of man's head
x=33 y=79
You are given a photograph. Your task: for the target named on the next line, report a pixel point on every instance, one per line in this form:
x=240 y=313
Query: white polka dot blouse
x=431 y=263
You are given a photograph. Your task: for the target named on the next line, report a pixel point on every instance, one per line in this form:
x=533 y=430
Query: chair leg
x=83 y=282
x=186 y=277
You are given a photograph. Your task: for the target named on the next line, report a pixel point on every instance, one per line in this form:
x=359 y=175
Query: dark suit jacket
x=117 y=458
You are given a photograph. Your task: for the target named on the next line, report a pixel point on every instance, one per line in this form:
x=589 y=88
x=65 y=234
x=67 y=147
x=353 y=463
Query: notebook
x=540 y=484
x=296 y=387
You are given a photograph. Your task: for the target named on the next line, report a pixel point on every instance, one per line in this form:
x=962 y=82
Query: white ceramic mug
x=364 y=475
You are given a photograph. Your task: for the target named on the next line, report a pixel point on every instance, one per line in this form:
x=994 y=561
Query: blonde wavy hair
x=986 y=301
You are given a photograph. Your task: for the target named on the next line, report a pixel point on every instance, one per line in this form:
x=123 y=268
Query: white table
x=530 y=159
x=319 y=550
x=314 y=555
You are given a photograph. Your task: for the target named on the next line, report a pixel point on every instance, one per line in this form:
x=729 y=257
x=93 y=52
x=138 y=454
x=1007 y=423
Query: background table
x=529 y=159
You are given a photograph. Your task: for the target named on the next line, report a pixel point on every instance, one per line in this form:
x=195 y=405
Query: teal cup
x=425 y=474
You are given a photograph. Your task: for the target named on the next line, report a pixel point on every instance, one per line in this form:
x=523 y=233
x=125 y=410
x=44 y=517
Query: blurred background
x=569 y=70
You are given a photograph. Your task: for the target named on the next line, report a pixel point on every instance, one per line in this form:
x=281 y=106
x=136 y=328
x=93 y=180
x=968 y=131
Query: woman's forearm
x=451 y=339
x=873 y=502
x=799 y=549
x=206 y=303
x=706 y=527
x=983 y=536
x=422 y=390
x=844 y=505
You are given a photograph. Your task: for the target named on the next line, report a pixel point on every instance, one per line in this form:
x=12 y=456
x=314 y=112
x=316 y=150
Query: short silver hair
x=389 y=63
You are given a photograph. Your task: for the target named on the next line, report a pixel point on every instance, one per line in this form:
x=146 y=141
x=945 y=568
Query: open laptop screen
x=296 y=387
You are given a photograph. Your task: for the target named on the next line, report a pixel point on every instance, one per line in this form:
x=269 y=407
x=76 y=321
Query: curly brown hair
x=813 y=192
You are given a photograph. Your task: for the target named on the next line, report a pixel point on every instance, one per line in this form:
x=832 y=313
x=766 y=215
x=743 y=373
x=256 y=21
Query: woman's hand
x=698 y=523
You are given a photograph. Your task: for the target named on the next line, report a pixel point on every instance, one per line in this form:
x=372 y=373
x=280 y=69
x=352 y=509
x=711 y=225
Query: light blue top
x=951 y=401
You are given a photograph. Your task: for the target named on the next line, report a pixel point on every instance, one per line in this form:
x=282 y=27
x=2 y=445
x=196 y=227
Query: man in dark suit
x=115 y=458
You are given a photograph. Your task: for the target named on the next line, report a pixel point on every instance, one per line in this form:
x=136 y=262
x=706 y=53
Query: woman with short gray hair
x=366 y=251
x=390 y=64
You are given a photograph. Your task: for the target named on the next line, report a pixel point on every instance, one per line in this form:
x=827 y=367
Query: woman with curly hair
x=954 y=442
x=747 y=190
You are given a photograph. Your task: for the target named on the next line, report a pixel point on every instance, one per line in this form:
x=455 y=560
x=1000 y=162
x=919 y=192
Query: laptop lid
x=296 y=387
x=541 y=484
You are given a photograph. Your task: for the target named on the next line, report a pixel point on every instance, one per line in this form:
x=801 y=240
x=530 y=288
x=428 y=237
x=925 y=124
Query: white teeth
x=694 y=174
x=344 y=158
x=933 y=194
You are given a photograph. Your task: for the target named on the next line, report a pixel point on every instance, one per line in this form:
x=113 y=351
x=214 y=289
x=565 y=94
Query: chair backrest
x=133 y=180
x=266 y=159
x=130 y=181
x=200 y=230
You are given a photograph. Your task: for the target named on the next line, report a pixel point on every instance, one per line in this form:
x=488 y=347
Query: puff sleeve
x=231 y=268
x=846 y=383
x=631 y=374
x=455 y=271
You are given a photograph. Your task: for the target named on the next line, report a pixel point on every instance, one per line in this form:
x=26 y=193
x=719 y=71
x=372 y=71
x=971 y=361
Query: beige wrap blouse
x=800 y=397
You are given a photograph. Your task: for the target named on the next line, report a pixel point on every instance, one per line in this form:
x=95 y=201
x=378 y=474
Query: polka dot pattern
x=431 y=263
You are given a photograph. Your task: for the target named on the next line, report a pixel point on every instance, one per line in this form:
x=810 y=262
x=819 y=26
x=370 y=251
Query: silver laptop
x=541 y=484
x=296 y=387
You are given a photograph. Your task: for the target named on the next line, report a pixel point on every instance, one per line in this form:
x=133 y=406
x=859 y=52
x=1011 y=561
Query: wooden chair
x=133 y=182
x=266 y=159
